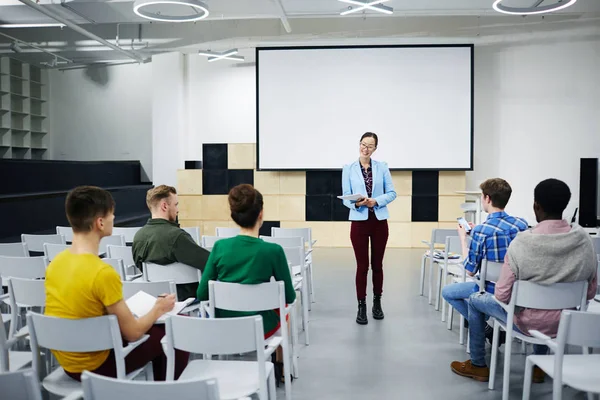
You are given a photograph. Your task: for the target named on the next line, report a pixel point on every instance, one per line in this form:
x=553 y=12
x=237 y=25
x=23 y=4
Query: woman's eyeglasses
x=368 y=147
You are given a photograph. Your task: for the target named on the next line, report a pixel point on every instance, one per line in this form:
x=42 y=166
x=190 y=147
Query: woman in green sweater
x=247 y=259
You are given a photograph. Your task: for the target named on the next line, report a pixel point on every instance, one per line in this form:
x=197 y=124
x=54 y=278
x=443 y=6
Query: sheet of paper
x=352 y=197
x=141 y=304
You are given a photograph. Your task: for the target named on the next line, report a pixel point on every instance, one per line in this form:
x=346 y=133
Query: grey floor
x=405 y=356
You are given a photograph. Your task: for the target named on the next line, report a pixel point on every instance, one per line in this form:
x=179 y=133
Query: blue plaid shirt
x=490 y=240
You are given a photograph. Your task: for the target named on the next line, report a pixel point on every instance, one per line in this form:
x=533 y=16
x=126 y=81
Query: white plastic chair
x=438 y=236
x=177 y=272
x=194 y=232
x=127 y=232
x=253 y=298
x=98 y=387
x=24 y=293
x=77 y=335
x=20 y=385
x=306 y=234
x=449 y=267
x=153 y=288
x=298 y=270
x=227 y=232
x=223 y=336
x=36 y=242
x=114 y=240
x=285 y=241
x=124 y=253
x=66 y=231
x=11 y=360
x=51 y=250
x=208 y=242
x=581 y=372
x=558 y=296
x=118 y=265
x=23 y=267
x=14 y=250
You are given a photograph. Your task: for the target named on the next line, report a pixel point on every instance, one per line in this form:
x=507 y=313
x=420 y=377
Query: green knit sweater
x=247 y=260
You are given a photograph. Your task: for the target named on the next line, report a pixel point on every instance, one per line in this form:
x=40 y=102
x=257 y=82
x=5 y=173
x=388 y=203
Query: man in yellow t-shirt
x=79 y=285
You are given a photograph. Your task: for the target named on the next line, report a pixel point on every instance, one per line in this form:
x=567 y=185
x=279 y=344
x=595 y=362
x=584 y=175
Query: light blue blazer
x=383 y=189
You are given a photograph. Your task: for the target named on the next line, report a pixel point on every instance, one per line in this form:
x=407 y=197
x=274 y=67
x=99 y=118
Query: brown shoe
x=538 y=375
x=481 y=374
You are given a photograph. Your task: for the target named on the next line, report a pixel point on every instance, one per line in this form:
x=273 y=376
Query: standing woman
x=372 y=180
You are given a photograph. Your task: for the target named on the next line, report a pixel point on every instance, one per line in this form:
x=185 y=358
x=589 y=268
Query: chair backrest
x=490 y=272
x=227 y=232
x=116 y=240
x=559 y=296
x=153 y=288
x=453 y=245
x=177 y=272
x=51 y=250
x=304 y=233
x=24 y=293
x=23 y=267
x=208 y=242
x=125 y=253
x=438 y=236
x=118 y=265
x=4 y=347
x=20 y=385
x=36 y=242
x=66 y=231
x=596 y=241
x=127 y=233
x=98 y=387
x=75 y=335
x=194 y=232
x=294 y=256
x=285 y=241
x=242 y=297
x=579 y=328
x=14 y=250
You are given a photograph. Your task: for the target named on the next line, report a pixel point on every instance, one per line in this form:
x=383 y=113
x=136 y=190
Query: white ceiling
x=248 y=23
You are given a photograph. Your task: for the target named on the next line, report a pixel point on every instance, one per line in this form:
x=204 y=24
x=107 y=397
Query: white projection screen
x=314 y=103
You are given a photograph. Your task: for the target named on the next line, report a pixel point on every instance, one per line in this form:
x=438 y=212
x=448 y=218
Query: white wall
x=102 y=114
x=537 y=113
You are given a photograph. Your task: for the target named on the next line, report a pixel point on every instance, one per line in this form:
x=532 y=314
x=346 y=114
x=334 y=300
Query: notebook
x=141 y=303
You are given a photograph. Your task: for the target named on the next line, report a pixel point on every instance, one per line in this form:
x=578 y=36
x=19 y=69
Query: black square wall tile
x=214 y=156
x=193 y=164
x=336 y=183
x=339 y=211
x=265 y=229
x=425 y=183
x=424 y=208
x=214 y=181
x=239 y=176
x=318 y=208
x=323 y=182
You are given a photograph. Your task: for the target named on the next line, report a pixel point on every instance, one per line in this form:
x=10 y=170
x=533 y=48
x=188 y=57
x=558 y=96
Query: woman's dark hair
x=245 y=203
x=370 y=134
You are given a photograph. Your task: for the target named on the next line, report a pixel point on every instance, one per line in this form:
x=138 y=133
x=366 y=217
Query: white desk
x=477 y=195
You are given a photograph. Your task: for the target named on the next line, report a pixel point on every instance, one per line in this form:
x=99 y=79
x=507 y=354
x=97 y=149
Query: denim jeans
x=481 y=307
x=457 y=295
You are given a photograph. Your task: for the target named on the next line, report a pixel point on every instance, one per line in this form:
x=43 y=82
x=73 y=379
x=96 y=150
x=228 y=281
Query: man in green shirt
x=163 y=242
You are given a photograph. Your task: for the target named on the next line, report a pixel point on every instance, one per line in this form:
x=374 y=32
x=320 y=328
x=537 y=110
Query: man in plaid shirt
x=489 y=241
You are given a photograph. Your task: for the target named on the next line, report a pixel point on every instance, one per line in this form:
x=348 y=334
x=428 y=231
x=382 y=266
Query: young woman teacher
x=372 y=180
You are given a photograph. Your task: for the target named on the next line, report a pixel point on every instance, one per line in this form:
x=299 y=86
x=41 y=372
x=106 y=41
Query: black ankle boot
x=377 y=311
x=361 y=316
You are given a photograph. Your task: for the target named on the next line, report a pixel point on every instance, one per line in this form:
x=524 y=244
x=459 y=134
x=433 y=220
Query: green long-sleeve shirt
x=247 y=260
x=163 y=242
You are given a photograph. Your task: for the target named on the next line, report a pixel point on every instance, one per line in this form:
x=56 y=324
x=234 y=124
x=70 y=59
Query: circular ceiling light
x=498 y=6
x=143 y=7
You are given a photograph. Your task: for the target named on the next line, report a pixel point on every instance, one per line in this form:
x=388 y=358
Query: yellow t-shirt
x=80 y=286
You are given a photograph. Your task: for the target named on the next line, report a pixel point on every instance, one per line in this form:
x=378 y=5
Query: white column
x=168 y=117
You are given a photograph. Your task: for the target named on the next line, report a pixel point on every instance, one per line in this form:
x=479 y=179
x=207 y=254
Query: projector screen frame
x=471 y=46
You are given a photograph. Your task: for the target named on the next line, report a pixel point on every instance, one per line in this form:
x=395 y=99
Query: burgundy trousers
x=360 y=233
x=150 y=350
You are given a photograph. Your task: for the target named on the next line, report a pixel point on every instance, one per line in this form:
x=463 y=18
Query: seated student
x=246 y=258
x=161 y=241
x=554 y=251
x=489 y=240
x=79 y=285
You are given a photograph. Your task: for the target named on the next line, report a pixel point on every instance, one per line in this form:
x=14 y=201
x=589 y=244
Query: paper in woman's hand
x=352 y=197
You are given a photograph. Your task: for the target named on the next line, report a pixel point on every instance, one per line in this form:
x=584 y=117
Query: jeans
x=457 y=295
x=481 y=307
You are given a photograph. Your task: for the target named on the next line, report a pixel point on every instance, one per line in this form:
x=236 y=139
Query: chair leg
x=461 y=330
x=312 y=286
x=438 y=289
x=450 y=317
x=468 y=343
x=422 y=280
x=287 y=370
x=494 y=360
x=271 y=383
x=527 y=381
x=294 y=327
x=506 y=372
x=430 y=282
x=305 y=309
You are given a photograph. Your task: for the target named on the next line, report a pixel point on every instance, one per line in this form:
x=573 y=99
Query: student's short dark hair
x=370 y=134
x=245 y=203
x=86 y=203
x=553 y=196
x=498 y=190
